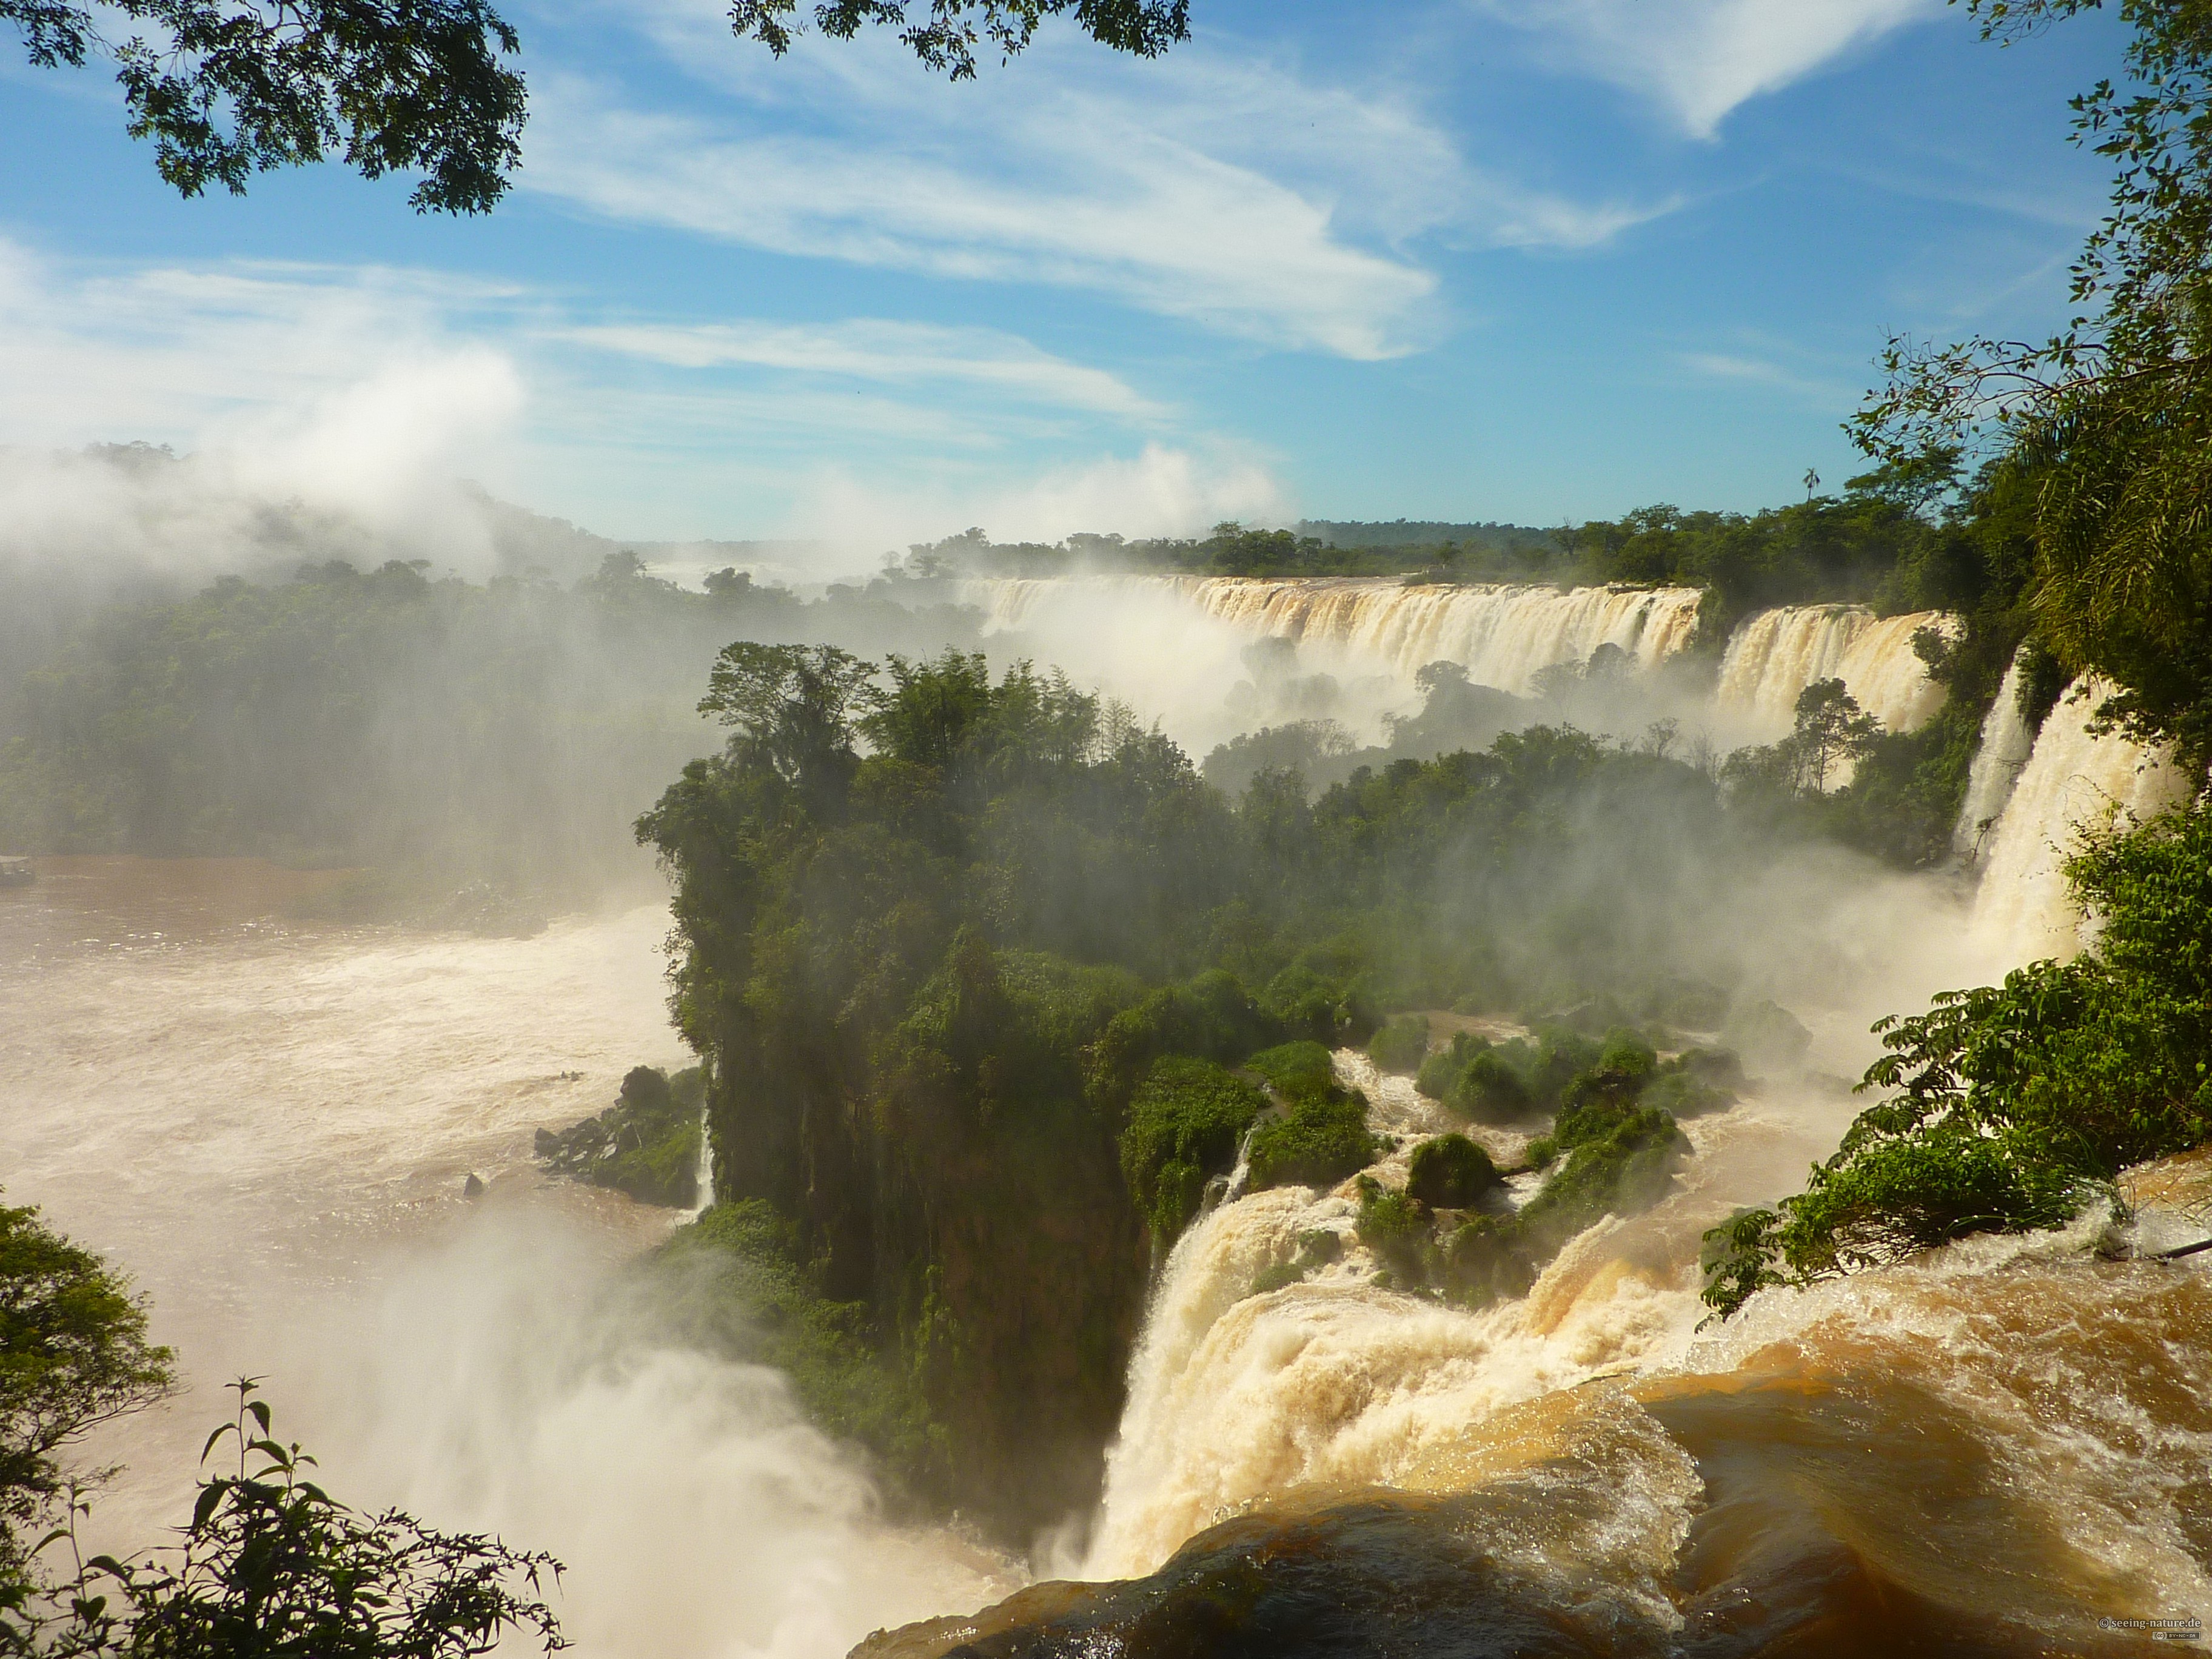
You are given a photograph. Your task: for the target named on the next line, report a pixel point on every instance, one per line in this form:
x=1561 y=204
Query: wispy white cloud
x=1224 y=188
x=894 y=353
x=1151 y=222
x=371 y=389
x=1744 y=368
x=1701 y=58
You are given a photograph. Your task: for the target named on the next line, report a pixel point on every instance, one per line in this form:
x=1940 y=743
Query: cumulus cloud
x=1701 y=58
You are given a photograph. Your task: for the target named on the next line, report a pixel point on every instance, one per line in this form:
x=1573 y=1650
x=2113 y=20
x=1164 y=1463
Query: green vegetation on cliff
x=977 y=963
x=755 y=1296
x=1185 y=1121
x=646 y=1143
x=2010 y=1107
x=929 y=980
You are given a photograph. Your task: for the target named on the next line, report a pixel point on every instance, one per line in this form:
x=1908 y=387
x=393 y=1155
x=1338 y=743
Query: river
x=268 y=1125
x=2000 y=1449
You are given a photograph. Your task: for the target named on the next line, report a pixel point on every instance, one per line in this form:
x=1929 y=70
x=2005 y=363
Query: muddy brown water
x=268 y=1125
x=2004 y=1449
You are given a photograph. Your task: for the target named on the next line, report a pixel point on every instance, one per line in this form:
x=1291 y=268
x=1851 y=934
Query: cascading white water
x=2073 y=780
x=1503 y=635
x=2006 y=743
x=703 y=1177
x=1773 y=656
x=1236 y=1398
x=2024 y=1420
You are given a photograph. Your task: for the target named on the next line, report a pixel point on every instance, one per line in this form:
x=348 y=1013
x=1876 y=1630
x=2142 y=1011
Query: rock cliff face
x=646 y=1143
x=956 y=1181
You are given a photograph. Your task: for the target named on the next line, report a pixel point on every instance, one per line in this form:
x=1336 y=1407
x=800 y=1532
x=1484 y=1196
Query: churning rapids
x=2004 y=1447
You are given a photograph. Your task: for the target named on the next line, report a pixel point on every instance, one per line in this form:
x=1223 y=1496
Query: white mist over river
x=269 y=1127
x=269 y=1124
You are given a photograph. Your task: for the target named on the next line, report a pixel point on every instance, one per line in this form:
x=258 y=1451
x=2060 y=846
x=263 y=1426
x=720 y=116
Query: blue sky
x=1516 y=259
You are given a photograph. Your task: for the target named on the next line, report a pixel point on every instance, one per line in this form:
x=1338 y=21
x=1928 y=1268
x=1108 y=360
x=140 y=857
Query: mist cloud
x=1163 y=490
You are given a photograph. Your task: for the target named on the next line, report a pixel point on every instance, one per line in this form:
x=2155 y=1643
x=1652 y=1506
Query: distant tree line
x=506 y=731
x=1906 y=536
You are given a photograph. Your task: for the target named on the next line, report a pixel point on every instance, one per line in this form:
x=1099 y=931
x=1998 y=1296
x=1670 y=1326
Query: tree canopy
x=74 y=1354
x=948 y=36
x=227 y=88
x=2108 y=419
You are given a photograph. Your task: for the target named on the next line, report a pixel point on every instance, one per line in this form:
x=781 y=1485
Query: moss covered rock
x=1450 y=1173
x=646 y=1143
x=1441 y=1072
x=1398 y=1228
x=1492 y=1090
x=1402 y=1045
x=1320 y=1136
x=1317 y=1248
x=1186 y=1120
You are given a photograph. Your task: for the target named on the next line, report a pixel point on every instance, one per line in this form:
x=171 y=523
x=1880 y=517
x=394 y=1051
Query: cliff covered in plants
x=989 y=985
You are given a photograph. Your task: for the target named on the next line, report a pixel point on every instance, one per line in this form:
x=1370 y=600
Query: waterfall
x=1235 y=1397
x=1569 y=1419
x=1502 y=633
x=1773 y=656
x=704 y=1179
x=2005 y=746
x=2073 y=780
x=1227 y=1189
